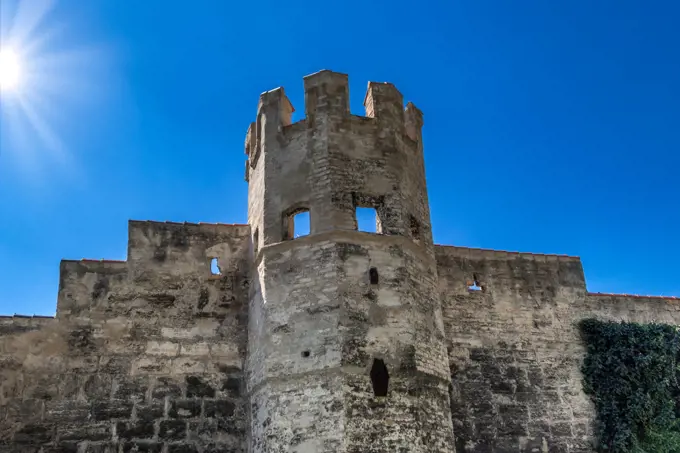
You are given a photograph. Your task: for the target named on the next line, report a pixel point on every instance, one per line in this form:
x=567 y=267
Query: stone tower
x=346 y=347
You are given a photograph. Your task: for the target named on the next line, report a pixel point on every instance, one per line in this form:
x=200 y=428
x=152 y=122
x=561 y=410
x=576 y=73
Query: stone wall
x=144 y=355
x=515 y=351
x=633 y=308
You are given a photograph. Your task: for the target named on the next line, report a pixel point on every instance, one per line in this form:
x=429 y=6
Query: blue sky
x=550 y=127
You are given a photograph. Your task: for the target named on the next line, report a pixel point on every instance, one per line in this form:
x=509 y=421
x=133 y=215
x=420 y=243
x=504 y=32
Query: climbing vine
x=632 y=374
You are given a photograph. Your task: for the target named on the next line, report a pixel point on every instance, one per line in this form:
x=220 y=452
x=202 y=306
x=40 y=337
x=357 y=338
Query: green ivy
x=631 y=372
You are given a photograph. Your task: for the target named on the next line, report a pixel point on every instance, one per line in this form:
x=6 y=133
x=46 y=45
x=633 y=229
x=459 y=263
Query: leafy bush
x=631 y=372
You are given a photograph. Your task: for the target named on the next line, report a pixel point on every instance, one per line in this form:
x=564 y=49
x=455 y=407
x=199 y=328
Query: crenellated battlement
x=156 y=250
x=332 y=162
x=326 y=94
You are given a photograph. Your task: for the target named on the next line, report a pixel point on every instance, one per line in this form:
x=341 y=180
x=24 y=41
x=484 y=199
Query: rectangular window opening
x=368 y=220
x=215 y=267
x=298 y=224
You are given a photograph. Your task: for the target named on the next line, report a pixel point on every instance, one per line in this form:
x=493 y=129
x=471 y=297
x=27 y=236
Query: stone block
x=219 y=408
x=182 y=448
x=115 y=364
x=25 y=411
x=224 y=350
x=111 y=410
x=172 y=429
x=130 y=388
x=61 y=447
x=67 y=411
x=185 y=408
x=202 y=429
x=189 y=365
x=232 y=447
x=97 y=386
x=34 y=434
x=86 y=432
x=151 y=411
x=207 y=329
x=141 y=429
x=142 y=446
x=195 y=349
x=197 y=387
x=151 y=365
x=165 y=348
x=165 y=386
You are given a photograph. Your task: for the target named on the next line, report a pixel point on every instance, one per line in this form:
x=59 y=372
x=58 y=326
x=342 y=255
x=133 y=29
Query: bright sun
x=10 y=70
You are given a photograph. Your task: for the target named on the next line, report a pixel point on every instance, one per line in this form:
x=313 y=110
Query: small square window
x=367 y=220
x=297 y=224
x=474 y=285
x=369 y=213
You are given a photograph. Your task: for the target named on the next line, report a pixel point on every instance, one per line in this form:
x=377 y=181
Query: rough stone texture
x=316 y=322
x=144 y=355
x=515 y=351
x=283 y=350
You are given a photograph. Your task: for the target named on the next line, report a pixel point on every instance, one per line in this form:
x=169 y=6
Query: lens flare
x=50 y=73
x=10 y=70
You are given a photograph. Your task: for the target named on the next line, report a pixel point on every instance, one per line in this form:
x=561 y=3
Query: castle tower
x=346 y=338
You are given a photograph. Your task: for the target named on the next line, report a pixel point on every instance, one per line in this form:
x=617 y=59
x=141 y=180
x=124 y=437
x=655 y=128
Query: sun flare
x=51 y=72
x=10 y=70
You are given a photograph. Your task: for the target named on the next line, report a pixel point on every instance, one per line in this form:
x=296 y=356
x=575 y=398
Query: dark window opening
x=373 y=275
x=379 y=377
x=215 y=267
x=474 y=285
x=414 y=227
x=256 y=239
x=297 y=224
x=305 y=353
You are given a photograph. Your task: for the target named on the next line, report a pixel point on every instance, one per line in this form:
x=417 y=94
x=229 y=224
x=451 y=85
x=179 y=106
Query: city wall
x=150 y=352
x=515 y=351
x=142 y=355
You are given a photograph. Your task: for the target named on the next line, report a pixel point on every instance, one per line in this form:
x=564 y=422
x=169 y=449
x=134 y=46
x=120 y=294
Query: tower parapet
x=332 y=162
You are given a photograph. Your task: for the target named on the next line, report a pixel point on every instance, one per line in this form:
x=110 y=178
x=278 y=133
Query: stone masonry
x=338 y=341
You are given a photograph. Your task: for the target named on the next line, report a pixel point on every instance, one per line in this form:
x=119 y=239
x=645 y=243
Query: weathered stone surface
x=340 y=341
x=102 y=376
